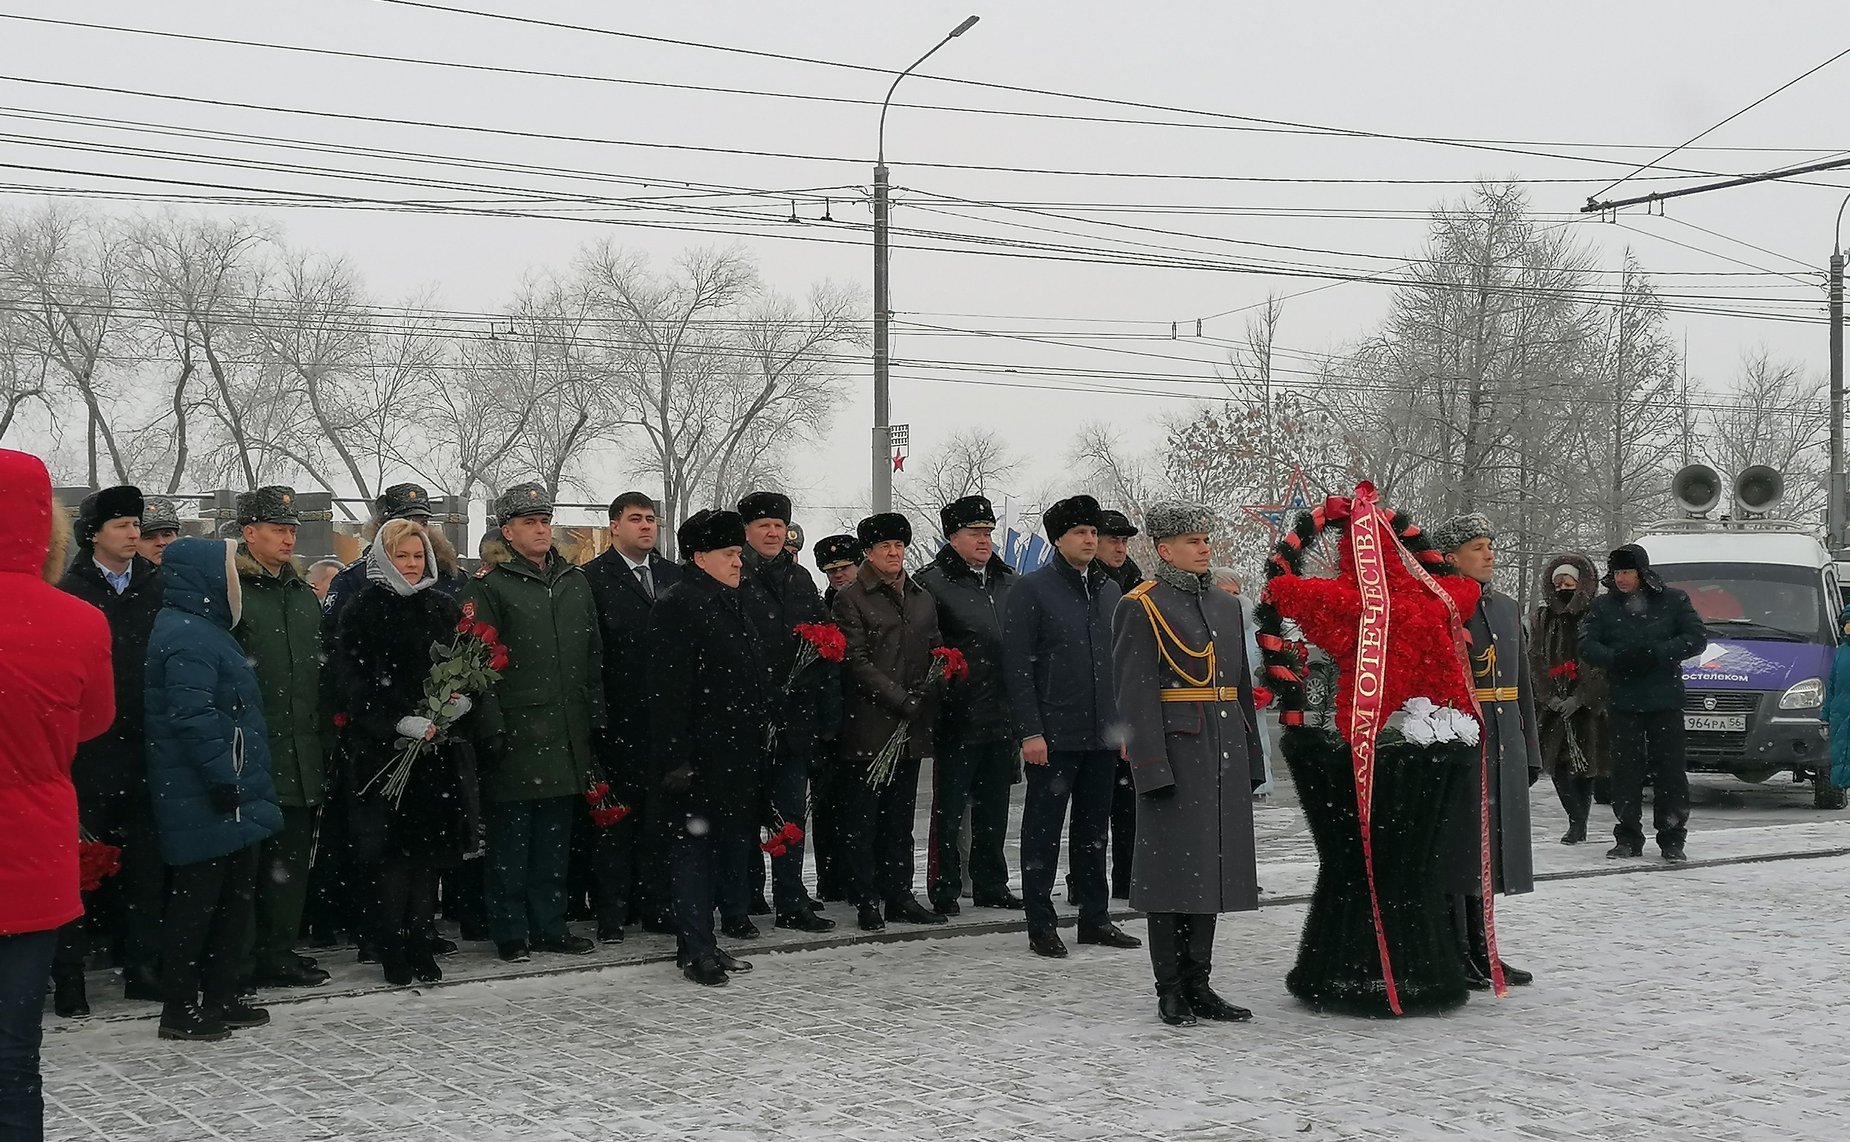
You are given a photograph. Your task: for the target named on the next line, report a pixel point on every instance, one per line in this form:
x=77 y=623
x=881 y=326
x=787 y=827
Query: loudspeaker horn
x=1697 y=488
x=1759 y=488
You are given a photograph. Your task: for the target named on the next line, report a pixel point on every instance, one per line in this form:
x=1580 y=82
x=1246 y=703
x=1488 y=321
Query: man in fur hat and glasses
x=978 y=747
x=779 y=596
x=1505 y=692
x=1192 y=739
x=1639 y=632
x=1570 y=704
x=892 y=681
x=709 y=699
x=111 y=770
x=1057 y=659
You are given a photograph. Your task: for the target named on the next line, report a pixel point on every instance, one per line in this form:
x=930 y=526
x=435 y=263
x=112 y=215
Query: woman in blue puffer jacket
x=214 y=802
x=1836 y=711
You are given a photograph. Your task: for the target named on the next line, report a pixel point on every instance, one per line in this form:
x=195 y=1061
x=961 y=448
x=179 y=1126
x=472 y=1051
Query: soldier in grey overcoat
x=1184 y=696
x=1505 y=692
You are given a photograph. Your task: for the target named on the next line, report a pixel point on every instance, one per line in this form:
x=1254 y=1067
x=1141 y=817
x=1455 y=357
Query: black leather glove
x=679 y=780
x=225 y=799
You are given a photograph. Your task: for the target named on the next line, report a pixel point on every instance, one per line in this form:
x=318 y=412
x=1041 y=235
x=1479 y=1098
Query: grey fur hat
x=1170 y=517
x=1454 y=533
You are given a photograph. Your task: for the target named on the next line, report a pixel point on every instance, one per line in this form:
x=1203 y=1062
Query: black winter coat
x=1057 y=654
x=115 y=764
x=708 y=699
x=623 y=610
x=778 y=594
x=1640 y=640
x=970 y=612
x=1126 y=575
x=890 y=634
x=381 y=657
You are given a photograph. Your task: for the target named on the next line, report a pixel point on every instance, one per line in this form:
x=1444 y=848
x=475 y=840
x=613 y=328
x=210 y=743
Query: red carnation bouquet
x=471 y=663
x=605 y=810
x=777 y=841
x=816 y=642
x=950 y=665
x=96 y=861
x=1564 y=678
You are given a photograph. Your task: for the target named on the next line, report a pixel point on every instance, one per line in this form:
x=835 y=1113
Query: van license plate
x=1716 y=723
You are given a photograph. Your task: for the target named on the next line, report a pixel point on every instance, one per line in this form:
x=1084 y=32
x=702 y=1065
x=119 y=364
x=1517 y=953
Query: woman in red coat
x=56 y=689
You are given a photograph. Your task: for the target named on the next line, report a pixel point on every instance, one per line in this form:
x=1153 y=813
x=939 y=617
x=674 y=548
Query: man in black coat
x=978 y=748
x=628 y=860
x=1114 y=552
x=1639 y=632
x=1057 y=658
x=779 y=595
x=111 y=771
x=838 y=557
x=708 y=705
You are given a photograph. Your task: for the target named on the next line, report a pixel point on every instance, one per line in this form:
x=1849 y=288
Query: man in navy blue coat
x=1057 y=661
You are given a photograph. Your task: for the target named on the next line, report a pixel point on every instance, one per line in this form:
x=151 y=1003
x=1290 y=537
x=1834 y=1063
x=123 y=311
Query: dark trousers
x=602 y=868
x=1123 y=829
x=462 y=898
x=877 y=831
x=25 y=965
x=707 y=870
x=282 y=890
x=787 y=788
x=1650 y=743
x=976 y=776
x=1181 y=948
x=825 y=831
x=206 y=932
x=1085 y=779
x=124 y=913
x=407 y=899
x=529 y=848
x=1575 y=791
x=652 y=892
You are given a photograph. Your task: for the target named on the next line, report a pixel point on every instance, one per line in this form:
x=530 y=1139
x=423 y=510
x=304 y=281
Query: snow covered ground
x=1698 y=1003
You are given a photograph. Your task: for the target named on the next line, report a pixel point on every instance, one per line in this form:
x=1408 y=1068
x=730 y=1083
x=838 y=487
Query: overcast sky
x=1607 y=87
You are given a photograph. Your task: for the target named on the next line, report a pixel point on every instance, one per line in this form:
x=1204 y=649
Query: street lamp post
x=1835 y=510
x=882 y=444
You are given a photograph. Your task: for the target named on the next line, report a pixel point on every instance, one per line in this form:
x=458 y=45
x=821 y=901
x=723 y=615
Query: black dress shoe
x=308 y=961
x=514 y=952
x=1046 y=942
x=731 y=962
x=706 y=971
x=610 y=934
x=1204 y=1002
x=566 y=945
x=1173 y=1008
x=1624 y=849
x=238 y=1015
x=947 y=907
x=1110 y=936
x=189 y=1023
x=1674 y=854
x=68 y=998
x=815 y=905
x=295 y=975
x=910 y=911
x=870 y=918
x=1006 y=900
x=1515 y=977
x=740 y=929
x=805 y=920
x=1576 y=832
x=438 y=945
x=761 y=906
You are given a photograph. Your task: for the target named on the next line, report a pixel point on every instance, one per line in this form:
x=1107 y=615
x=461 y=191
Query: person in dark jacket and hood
x=1639 y=632
x=55 y=691
x=381 y=661
x=779 y=596
x=978 y=748
x=1057 y=659
x=1570 y=708
x=709 y=700
x=1114 y=550
x=890 y=624
x=111 y=771
x=214 y=801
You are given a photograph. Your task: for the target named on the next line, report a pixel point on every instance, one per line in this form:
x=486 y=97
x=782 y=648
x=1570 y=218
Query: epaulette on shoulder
x=482 y=571
x=1141 y=589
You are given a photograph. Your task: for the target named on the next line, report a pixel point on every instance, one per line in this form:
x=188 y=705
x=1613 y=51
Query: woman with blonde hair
x=381 y=660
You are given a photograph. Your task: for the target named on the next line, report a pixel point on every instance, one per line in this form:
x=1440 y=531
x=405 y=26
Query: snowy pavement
x=1696 y=1003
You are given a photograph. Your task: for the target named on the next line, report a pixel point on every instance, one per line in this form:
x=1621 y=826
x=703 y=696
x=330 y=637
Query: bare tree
x=970 y=462
x=1775 y=415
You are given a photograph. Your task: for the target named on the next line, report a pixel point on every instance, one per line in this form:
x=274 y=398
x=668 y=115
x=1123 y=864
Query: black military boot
x=1166 y=962
x=1475 y=979
x=706 y=971
x=1197 y=948
x=1576 y=833
x=189 y=1023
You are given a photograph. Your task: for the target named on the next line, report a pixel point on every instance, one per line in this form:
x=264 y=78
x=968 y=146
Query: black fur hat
x=1072 y=512
x=765 y=505
x=883 y=526
x=710 y=530
x=98 y=508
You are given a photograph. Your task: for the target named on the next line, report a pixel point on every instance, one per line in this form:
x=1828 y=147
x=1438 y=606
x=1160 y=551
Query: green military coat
x=280 y=629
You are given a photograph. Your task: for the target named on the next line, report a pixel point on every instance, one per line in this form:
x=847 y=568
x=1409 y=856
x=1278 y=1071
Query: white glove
x=460 y=705
x=414 y=726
